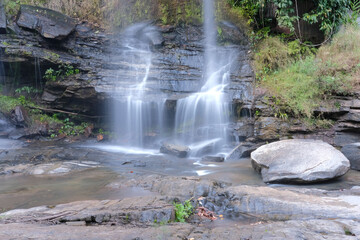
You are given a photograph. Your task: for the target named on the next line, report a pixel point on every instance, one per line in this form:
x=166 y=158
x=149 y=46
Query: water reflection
x=18 y=191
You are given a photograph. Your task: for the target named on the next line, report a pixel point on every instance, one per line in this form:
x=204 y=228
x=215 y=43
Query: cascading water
x=137 y=115
x=201 y=119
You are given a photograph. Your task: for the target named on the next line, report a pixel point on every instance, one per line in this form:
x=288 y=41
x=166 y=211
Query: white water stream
x=200 y=120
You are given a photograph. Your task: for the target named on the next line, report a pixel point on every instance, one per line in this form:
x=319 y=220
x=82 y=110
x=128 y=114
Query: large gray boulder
x=352 y=152
x=300 y=161
x=50 y=24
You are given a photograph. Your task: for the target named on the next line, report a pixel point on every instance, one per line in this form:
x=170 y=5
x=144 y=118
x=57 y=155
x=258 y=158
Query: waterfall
x=137 y=116
x=202 y=118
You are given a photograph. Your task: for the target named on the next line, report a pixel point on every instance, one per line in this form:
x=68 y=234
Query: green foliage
x=299 y=50
x=44 y=118
x=250 y=10
x=161 y=223
x=329 y=13
x=193 y=12
x=8 y=103
x=304 y=83
x=285 y=13
x=271 y=55
x=61 y=73
x=54 y=57
x=348 y=232
x=22 y=100
x=177 y=13
x=11 y=6
x=317 y=122
x=69 y=70
x=259 y=35
x=70 y=129
x=58 y=126
x=183 y=211
x=274 y=53
x=103 y=132
x=27 y=90
x=164 y=9
x=50 y=74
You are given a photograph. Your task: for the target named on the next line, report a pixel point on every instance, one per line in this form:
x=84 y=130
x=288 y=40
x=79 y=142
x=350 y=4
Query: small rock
x=19 y=116
x=213 y=159
x=243 y=150
x=176 y=150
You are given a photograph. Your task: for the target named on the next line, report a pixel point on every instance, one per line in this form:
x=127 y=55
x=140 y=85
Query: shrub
x=304 y=84
x=183 y=211
x=272 y=54
x=295 y=86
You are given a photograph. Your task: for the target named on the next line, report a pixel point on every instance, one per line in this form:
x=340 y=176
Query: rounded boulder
x=299 y=161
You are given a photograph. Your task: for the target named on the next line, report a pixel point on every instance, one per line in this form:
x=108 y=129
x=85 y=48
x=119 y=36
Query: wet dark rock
x=232 y=34
x=176 y=150
x=17 y=134
x=352 y=152
x=19 y=116
x=243 y=150
x=5 y=126
x=301 y=161
x=243 y=128
x=270 y=128
x=352 y=116
x=35 y=130
x=213 y=159
x=331 y=113
x=72 y=96
x=50 y=24
x=2 y=19
x=40 y=128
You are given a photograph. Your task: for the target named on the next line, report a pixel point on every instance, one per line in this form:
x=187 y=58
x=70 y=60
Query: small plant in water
x=183 y=211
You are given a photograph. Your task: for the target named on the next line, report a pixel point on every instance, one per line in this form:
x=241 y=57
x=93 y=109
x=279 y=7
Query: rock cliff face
x=176 y=71
x=176 y=67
